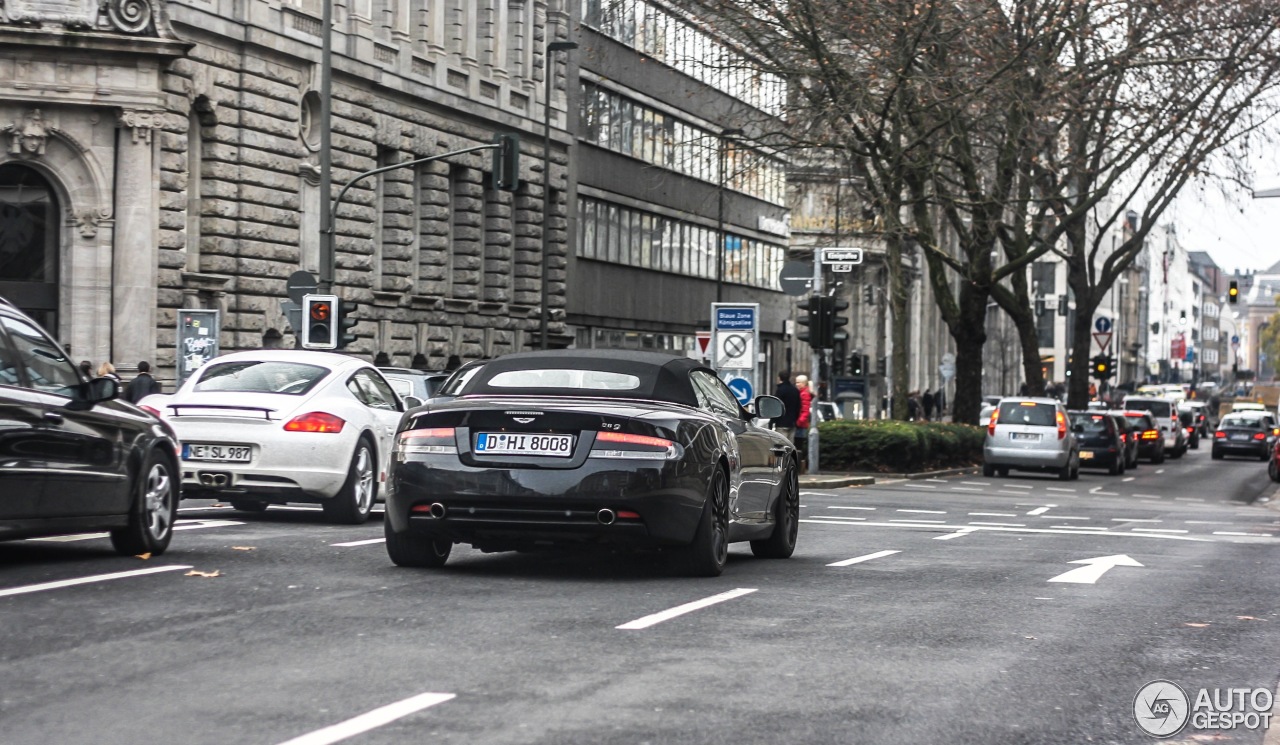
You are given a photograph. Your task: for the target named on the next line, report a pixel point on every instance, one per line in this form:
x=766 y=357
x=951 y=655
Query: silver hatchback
x=1030 y=434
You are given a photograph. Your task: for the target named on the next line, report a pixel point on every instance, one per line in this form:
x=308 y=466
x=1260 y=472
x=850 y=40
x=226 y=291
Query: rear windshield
x=1040 y=415
x=1249 y=422
x=597 y=380
x=1159 y=408
x=1187 y=417
x=250 y=376
x=1139 y=422
x=1093 y=423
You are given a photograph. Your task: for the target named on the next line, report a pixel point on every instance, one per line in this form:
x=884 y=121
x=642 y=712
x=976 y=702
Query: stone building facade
x=164 y=155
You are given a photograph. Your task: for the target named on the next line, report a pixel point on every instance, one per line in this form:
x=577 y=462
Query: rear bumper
x=503 y=508
x=1255 y=449
x=1100 y=457
x=1020 y=458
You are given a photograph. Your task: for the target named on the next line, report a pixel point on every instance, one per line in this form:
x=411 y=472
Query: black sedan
x=589 y=447
x=71 y=458
x=1247 y=433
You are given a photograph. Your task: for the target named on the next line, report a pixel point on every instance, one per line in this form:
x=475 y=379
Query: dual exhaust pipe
x=214 y=479
x=438 y=511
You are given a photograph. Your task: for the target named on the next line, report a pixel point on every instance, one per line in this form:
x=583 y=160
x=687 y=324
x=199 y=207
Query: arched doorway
x=29 y=240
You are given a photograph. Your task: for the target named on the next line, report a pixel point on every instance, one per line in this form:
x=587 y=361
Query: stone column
x=134 y=256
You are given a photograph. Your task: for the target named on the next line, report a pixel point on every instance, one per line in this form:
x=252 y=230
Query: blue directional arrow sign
x=741 y=388
x=1102 y=324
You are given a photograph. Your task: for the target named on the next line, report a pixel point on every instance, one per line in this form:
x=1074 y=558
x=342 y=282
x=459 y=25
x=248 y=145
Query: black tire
x=1273 y=471
x=1265 y=456
x=786 y=521
x=1116 y=468
x=988 y=470
x=353 y=502
x=1178 y=452
x=1064 y=473
x=155 y=507
x=249 y=505
x=1003 y=471
x=1159 y=456
x=1195 y=442
x=709 y=551
x=408 y=550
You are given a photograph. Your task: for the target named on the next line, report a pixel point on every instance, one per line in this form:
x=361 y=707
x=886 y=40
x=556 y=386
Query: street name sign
x=842 y=256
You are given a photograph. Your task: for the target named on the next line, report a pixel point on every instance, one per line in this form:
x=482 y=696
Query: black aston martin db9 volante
x=577 y=447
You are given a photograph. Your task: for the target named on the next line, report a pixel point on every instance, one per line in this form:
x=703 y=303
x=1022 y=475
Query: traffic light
x=318 y=329
x=1102 y=366
x=812 y=325
x=869 y=294
x=1062 y=305
x=506 y=162
x=835 y=319
x=856 y=362
x=882 y=367
x=1233 y=292
x=347 y=321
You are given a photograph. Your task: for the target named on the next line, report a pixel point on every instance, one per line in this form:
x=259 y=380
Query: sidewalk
x=837 y=480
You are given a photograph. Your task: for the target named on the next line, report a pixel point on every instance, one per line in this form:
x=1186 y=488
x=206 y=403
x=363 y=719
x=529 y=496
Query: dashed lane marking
x=1159 y=530
x=1135 y=520
x=680 y=610
x=920 y=486
x=1059 y=489
x=992 y=514
x=999 y=529
x=925 y=512
x=963 y=488
x=1064 y=517
x=1187 y=499
x=369 y=542
x=1147 y=496
x=860 y=559
x=1127 y=478
x=957 y=534
x=977 y=483
x=1018 y=486
x=842 y=507
x=25 y=589
x=371 y=720
x=918 y=522
x=1038 y=511
x=1000 y=525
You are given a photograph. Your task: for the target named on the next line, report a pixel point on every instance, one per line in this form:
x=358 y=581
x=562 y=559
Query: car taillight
x=624 y=446
x=1219 y=435
x=1062 y=425
x=1190 y=430
x=151 y=410
x=1151 y=434
x=1259 y=435
x=1124 y=437
x=316 y=421
x=431 y=441
x=991 y=426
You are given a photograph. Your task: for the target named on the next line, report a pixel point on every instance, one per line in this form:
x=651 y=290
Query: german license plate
x=509 y=443
x=219 y=453
x=1239 y=437
x=1086 y=455
x=1029 y=436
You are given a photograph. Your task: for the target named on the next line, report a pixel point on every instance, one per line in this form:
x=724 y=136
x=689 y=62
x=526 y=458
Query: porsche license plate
x=217 y=453
x=508 y=443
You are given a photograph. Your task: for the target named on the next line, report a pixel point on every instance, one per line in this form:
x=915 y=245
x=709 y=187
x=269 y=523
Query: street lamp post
x=720 y=234
x=549 y=77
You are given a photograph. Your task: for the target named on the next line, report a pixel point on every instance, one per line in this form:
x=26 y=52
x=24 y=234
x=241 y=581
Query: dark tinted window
x=1140 y=422
x=1243 y=422
x=1039 y=415
x=252 y=376
x=1093 y=423
x=1162 y=409
x=47 y=368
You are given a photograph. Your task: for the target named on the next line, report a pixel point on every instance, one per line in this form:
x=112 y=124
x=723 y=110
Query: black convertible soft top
x=663 y=377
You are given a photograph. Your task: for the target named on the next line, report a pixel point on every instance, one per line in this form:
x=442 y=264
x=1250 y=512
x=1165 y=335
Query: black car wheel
x=249 y=505
x=353 y=502
x=1273 y=471
x=154 y=509
x=1265 y=455
x=1159 y=456
x=988 y=470
x=408 y=550
x=786 y=521
x=706 y=556
x=1116 y=468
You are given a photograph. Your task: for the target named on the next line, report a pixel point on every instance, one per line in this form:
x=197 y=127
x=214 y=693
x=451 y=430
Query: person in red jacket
x=802 y=421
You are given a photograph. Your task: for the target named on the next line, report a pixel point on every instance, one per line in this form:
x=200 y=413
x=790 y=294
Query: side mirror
x=769 y=407
x=412 y=402
x=101 y=389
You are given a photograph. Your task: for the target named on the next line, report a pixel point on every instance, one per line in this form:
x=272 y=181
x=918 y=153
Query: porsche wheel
x=786 y=521
x=353 y=502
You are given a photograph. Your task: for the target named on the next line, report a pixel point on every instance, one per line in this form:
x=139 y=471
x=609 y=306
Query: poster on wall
x=197 y=340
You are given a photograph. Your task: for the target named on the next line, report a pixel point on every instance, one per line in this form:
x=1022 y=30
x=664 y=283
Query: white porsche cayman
x=274 y=426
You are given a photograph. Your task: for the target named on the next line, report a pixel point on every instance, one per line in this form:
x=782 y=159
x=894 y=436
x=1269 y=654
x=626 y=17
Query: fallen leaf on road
x=145 y=556
x=1029 y=637
x=1249 y=618
x=244 y=548
x=198 y=573
x=1197 y=625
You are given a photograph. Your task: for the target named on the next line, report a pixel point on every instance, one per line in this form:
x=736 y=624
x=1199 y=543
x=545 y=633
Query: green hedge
x=888 y=446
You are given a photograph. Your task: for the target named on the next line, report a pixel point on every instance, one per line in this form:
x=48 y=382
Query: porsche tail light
x=629 y=446
x=1062 y=425
x=428 y=441
x=991 y=426
x=316 y=421
x=153 y=411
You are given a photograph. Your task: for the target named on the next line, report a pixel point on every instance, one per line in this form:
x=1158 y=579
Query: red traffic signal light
x=321 y=311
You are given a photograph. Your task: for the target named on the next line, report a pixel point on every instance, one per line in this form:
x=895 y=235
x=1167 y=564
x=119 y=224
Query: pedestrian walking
x=108 y=370
x=913 y=406
x=790 y=396
x=803 y=419
x=927 y=402
x=143 y=385
x=86 y=369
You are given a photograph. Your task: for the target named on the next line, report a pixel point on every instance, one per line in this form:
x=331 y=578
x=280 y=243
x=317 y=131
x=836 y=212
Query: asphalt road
x=912 y=612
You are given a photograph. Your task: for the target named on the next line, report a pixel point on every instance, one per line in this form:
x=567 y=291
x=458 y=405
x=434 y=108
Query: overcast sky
x=1238 y=232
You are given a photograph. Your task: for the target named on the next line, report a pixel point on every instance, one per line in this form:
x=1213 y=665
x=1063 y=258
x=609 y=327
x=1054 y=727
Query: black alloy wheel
x=408 y=550
x=709 y=551
x=786 y=521
x=154 y=509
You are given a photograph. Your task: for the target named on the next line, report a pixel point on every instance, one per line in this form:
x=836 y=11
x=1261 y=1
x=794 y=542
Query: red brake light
x=628 y=515
x=437 y=433
x=619 y=437
x=991 y=426
x=316 y=421
x=1124 y=437
x=1219 y=435
x=1062 y=425
x=1260 y=435
x=151 y=410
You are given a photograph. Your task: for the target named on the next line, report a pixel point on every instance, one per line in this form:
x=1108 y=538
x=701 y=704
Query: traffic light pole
x=815 y=367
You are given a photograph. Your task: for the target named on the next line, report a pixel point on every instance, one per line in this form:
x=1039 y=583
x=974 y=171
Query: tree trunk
x=1081 y=365
x=970 y=334
x=900 y=324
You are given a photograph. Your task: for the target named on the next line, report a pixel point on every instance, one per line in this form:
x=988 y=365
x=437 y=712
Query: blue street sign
x=740 y=319
x=741 y=388
x=1235 y=339
x=1102 y=324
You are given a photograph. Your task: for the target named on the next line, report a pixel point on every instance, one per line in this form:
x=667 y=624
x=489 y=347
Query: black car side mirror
x=769 y=407
x=101 y=389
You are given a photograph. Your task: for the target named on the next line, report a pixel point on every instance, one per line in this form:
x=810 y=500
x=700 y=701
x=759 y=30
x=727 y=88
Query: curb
x=835 y=482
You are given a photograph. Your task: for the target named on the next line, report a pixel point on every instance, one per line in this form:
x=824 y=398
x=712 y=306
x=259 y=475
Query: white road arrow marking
x=1093 y=569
